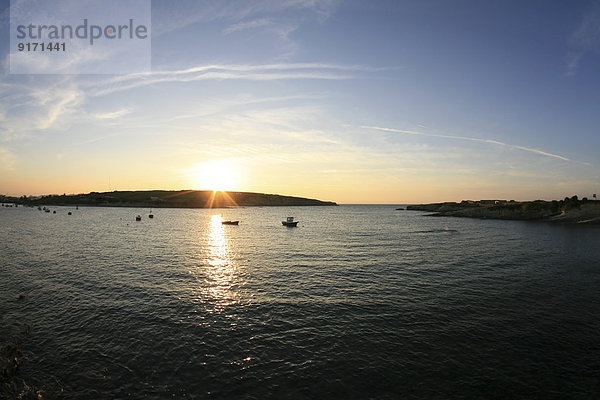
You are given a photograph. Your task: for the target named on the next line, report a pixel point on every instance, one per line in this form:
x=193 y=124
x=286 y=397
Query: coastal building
x=492 y=202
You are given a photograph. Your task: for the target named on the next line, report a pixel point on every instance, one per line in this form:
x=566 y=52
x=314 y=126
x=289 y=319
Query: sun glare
x=215 y=175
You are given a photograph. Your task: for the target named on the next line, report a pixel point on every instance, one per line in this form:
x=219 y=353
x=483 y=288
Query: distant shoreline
x=168 y=199
x=570 y=210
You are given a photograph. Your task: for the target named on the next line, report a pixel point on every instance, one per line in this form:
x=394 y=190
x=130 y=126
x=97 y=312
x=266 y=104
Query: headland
x=569 y=210
x=167 y=199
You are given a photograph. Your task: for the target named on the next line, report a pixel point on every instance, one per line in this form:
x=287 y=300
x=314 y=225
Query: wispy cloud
x=113 y=114
x=224 y=72
x=7 y=159
x=31 y=104
x=60 y=103
x=584 y=39
x=472 y=139
x=280 y=29
x=276 y=18
x=241 y=26
x=189 y=12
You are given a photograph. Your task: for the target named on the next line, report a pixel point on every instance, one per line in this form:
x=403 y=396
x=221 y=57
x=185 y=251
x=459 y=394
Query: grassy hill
x=169 y=198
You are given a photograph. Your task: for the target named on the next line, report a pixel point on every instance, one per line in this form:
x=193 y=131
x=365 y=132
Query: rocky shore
x=569 y=210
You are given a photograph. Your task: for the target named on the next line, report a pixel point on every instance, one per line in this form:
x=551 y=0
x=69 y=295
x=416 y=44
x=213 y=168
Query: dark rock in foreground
x=175 y=199
x=570 y=210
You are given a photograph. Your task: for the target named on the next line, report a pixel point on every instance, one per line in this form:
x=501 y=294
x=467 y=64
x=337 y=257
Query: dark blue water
x=357 y=302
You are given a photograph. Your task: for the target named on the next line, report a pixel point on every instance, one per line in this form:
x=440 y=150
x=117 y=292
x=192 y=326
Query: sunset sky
x=349 y=101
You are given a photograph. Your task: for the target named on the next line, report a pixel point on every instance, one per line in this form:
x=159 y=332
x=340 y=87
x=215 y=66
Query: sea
x=356 y=302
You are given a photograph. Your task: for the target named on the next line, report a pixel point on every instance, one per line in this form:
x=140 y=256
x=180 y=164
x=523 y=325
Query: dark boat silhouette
x=289 y=222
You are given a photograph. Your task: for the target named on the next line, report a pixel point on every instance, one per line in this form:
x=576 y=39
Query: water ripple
x=357 y=302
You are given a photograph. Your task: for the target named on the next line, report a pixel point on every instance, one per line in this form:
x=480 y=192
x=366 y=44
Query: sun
x=217 y=175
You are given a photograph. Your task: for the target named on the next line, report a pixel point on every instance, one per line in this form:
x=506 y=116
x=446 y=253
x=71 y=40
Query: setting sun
x=215 y=175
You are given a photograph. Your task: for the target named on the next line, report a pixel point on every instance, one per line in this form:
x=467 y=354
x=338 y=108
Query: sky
x=349 y=101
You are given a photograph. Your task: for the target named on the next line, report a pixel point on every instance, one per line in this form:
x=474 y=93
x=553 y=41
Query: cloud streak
x=31 y=104
x=472 y=139
x=276 y=18
x=194 y=11
x=7 y=159
x=113 y=114
x=263 y=72
x=257 y=23
x=584 y=39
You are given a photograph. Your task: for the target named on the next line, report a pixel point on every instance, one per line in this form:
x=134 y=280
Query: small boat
x=230 y=222
x=289 y=222
x=138 y=218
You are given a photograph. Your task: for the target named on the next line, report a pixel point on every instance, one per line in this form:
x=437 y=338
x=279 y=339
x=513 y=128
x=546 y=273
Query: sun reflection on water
x=220 y=274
